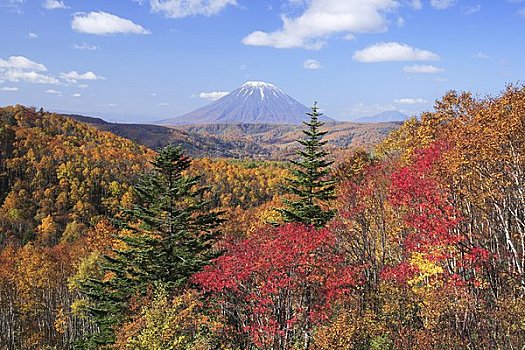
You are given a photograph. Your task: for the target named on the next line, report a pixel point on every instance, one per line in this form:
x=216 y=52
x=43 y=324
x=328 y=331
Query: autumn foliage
x=277 y=285
x=426 y=249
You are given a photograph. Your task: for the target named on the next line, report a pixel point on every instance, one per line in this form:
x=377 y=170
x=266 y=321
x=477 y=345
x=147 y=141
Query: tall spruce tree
x=310 y=183
x=169 y=237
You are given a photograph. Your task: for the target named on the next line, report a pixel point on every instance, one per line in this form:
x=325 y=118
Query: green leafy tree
x=167 y=237
x=310 y=184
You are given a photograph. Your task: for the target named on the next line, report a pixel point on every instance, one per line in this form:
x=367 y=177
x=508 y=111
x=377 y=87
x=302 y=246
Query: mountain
x=388 y=116
x=253 y=103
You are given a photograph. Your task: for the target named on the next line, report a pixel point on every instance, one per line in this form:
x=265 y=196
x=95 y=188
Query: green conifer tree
x=310 y=183
x=170 y=233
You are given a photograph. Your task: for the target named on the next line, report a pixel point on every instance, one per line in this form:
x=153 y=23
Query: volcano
x=255 y=102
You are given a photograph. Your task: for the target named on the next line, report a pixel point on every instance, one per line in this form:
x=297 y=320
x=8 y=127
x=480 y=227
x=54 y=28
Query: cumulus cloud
x=76 y=95
x=422 y=69
x=86 y=46
x=214 y=95
x=54 y=4
x=20 y=68
x=74 y=76
x=312 y=64
x=442 y=4
x=32 y=35
x=322 y=19
x=103 y=23
x=29 y=77
x=8 y=88
x=410 y=101
x=53 y=92
x=187 y=8
x=393 y=51
x=22 y=63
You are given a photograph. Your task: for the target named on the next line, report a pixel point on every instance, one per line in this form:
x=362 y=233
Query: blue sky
x=131 y=60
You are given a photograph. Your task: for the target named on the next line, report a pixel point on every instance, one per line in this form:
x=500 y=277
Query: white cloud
x=54 y=4
x=73 y=76
x=363 y=109
x=481 y=55
x=393 y=51
x=8 y=89
x=53 y=92
x=323 y=18
x=21 y=62
x=187 y=8
x=76 y=95
x=29 y=77
x=20 y=68
x=32 y=35
x=13 y=4
x=410 y=101
x=312 y=64
x=470 y=10
x=214 y=95
x=422 y=69
x=400 y=22
x=103 y=23
x=442 y=4
x=416 y=4
x=152 y=94
x=85 y=46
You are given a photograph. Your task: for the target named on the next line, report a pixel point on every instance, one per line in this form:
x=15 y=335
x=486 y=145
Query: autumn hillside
x=416 y=243
x=60 y=182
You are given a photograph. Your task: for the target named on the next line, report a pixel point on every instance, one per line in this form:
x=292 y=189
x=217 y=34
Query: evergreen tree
x=168 y=236
x=310 y=183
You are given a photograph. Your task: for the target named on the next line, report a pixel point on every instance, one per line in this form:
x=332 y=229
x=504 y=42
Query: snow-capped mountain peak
x=262 y=88
x=255 y=102
x=259 y=84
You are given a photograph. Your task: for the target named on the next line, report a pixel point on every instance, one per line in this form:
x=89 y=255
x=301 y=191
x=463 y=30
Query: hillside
x=194 y=144
x=54 y=166
x=280 y=140
x=261 y=141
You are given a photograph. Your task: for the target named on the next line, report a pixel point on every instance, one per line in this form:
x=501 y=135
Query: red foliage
x=279 y=280
x=428 y=209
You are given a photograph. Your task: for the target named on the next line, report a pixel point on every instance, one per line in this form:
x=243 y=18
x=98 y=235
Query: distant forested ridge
x=238 y=140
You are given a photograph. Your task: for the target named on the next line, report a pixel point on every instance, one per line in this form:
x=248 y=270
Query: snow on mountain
x=255 y=102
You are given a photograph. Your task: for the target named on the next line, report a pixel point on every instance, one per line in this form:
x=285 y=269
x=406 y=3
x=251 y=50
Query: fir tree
x=170 y=233
x=310 y=183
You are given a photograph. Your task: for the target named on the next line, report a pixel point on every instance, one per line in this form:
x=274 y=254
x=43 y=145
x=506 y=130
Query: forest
x=418 y=243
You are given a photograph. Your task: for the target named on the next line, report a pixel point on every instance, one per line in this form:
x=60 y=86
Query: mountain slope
x=238 y=140
x=253 y=103
x=194 y=144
